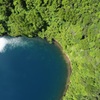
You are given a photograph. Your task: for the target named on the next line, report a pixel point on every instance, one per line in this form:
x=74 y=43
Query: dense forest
x=75 y=24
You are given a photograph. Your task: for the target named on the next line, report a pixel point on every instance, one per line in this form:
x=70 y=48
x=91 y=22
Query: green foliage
x=2 y=12
x=2 y=30
x=75 y=24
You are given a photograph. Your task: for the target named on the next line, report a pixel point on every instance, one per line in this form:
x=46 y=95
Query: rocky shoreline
x=68 y=67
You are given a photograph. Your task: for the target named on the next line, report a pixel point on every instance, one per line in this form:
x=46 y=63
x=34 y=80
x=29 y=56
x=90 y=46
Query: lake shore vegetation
x=74 y=24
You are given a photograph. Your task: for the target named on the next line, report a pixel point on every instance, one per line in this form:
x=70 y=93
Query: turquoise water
x=31 y=69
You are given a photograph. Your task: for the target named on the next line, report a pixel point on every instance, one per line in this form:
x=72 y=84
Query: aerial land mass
x=74 y=24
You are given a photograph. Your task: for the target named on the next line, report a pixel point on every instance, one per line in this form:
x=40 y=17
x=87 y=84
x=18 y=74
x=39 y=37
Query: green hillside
x=75 y=24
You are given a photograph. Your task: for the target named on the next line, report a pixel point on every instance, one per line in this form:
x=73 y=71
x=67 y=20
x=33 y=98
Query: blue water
x=31 y=69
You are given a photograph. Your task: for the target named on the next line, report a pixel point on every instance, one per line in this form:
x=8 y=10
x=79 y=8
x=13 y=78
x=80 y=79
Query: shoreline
x=69 y=67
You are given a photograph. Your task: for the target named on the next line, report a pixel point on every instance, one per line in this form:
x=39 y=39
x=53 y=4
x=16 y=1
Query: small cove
x=31 y=69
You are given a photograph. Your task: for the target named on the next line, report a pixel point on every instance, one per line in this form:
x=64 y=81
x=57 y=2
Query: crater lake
x=31 y=69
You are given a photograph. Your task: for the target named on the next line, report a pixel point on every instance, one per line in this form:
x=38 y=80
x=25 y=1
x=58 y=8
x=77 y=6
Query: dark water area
x=31 y=69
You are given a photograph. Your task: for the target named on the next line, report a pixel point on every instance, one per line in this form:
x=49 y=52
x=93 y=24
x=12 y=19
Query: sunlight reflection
x=14 y=42
x=3 y=43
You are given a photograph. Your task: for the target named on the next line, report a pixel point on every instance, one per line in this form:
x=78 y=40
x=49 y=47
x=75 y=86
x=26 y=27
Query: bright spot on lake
x=3 y=43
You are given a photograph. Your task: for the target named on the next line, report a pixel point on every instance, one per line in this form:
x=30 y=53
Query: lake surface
x=31 y=69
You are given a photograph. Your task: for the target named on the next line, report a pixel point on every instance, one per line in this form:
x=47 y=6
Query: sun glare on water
x=12 y=42
x=3 y=43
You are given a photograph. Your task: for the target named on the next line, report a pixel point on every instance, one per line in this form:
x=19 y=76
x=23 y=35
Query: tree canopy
x=75 y=24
